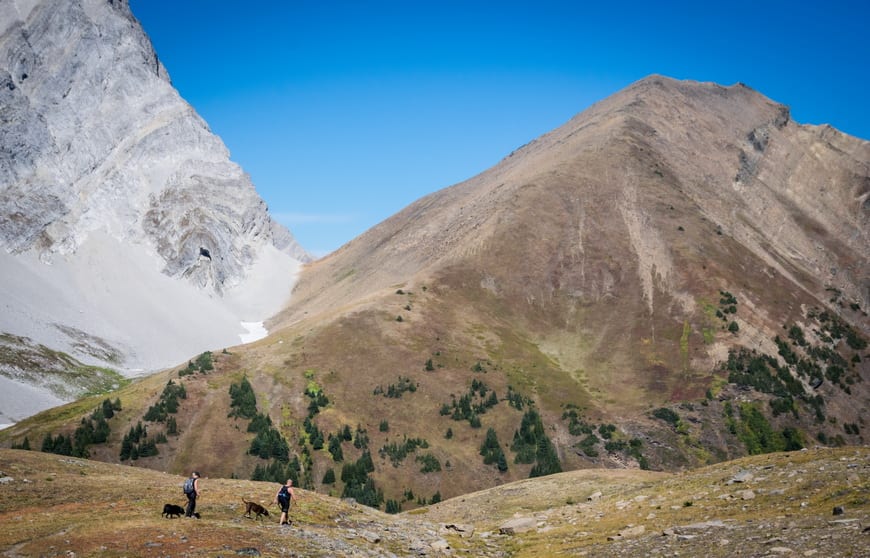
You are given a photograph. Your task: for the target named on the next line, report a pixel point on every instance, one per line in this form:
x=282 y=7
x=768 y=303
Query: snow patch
x=117 y=293
x=256 y=331
x=19 y=401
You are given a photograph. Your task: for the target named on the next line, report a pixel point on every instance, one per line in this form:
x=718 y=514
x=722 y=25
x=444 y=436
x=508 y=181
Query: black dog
x=253 y=507
x=171 y=509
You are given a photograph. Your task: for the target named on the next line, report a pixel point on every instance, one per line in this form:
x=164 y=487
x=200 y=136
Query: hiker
x=191 y=490
x=283 y=498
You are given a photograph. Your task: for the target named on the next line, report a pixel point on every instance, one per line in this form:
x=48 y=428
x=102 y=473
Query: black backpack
x=283 y=495
x=189 y=487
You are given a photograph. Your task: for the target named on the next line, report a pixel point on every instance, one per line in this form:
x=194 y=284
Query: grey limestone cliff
x=95 y=137
x=125 y=228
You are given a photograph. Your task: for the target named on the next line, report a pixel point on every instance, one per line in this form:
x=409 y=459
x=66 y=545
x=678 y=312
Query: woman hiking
x=283 y=498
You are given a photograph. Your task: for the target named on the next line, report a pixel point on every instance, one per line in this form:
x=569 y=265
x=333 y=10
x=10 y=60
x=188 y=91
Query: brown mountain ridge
x=676 y=276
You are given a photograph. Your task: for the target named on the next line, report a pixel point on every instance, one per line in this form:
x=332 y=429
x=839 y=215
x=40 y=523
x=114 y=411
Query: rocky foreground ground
x=808 y=503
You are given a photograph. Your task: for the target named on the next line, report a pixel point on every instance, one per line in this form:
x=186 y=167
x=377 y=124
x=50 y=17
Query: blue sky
x=344 y=112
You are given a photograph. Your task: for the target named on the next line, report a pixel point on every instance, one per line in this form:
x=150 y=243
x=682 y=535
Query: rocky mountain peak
x=125 y=228
x=97 y=139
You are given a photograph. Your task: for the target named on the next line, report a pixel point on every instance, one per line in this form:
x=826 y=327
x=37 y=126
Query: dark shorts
x=285 y=505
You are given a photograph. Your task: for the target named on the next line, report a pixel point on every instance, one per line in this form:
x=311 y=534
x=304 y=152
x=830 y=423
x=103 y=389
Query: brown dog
x=255 y=508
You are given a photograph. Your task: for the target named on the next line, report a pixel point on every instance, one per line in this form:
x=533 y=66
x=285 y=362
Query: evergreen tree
x=243 y=402
x=108 y=409
x=492 y=452
x=335 y=448
x=393 y=507
x=328 y=477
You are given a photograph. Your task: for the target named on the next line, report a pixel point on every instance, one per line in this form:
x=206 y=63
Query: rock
x=148 y=164
x=746 y=495
x=463 y=530
x=370 y=537
x=440 y=545
x=714 y=523
x=517 y=525
x=633 y=531
x=594 y=496
x=742 y=476
x=839 y=510
x=248 y=551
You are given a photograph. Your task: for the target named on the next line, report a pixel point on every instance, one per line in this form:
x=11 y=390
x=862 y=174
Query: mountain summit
x=129 y=238
x=672 y=264
x=607 y=241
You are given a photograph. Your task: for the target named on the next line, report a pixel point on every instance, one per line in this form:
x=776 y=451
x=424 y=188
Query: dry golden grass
x=793 y=497
x=55 y=505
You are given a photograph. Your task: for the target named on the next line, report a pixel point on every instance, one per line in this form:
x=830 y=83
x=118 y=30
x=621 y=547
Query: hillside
x=674 y=278
x=779 y=504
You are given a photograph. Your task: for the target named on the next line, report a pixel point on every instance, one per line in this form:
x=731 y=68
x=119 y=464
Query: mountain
x=676 y=277
x=130 y=240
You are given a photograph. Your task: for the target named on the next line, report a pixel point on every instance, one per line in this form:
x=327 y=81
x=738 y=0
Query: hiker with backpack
x=283 y=498
x=191 y=490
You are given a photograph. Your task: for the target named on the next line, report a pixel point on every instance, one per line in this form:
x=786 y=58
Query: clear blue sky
x=344 y=112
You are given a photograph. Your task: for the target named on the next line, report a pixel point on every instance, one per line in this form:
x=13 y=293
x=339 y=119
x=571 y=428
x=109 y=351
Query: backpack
x=283 y=495
x=188 y=486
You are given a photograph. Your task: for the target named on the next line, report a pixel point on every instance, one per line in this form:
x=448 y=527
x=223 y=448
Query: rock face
x=104 y=168
x=96 y=138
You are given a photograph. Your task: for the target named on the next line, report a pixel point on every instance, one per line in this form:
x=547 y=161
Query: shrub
x=606 y=431
x=204 y=362
x=668 y=415
x=587 y=445
x=430 y=463
x=398 y=451
x=395 y=391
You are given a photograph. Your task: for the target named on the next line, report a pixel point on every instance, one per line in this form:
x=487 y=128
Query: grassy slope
x=369 y=348
x=52 y=504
